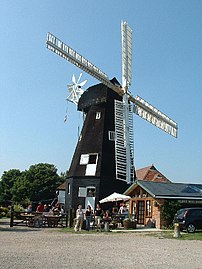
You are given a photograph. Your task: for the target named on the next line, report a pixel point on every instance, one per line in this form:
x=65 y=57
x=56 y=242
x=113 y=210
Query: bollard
x=176 y=230
x=106 y=229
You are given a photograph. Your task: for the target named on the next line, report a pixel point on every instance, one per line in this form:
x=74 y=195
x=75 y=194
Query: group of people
x=46 y=209
x=98 y=216
x=88 y=214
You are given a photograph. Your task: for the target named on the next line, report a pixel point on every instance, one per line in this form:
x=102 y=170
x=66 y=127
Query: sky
x=166 y=71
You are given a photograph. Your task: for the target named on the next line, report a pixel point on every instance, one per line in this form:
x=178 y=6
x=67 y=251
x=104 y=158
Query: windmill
x=106 y=101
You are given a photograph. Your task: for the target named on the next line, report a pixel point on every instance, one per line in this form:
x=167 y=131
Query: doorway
x=140 y=212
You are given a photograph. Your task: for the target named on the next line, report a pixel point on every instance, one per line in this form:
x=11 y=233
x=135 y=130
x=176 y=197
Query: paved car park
x=23 y=247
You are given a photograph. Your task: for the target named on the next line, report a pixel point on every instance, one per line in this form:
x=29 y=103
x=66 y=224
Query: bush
x=168 y=211
x=18 y=208
x=4 y=212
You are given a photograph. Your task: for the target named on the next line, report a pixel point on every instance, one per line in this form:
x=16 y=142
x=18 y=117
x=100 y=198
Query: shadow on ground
x=5 y=227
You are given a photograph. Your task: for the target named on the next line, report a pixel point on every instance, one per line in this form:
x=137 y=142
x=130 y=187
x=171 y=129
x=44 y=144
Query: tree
x=8 y=179
x=21 y=189
x=37 y=184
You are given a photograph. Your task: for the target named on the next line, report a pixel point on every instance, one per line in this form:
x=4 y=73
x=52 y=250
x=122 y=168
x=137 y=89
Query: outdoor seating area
x=41 y=220
x=38 y=219
x=114 y=214
x=116 y=221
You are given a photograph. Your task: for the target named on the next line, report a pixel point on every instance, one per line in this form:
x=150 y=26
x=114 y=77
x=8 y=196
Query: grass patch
x=71 y=230
x=184 y=235
x=164 y=234
x=66 y=230
x=194 y=236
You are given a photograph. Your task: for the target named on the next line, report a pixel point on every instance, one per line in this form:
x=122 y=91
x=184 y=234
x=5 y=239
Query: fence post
x=12 y=216
x=66 y=219
x=70 y=218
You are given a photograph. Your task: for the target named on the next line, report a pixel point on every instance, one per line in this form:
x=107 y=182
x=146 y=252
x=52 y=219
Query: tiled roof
x=62 y=186
x=171 y=190
x=142 y=172
x=150 y=173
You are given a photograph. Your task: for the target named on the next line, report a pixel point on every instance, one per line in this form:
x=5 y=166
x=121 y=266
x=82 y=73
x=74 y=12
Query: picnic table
x=52 y=220
x=38 y=219
x=28 y=218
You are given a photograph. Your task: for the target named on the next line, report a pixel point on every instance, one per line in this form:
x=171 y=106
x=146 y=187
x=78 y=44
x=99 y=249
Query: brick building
x=152 y=189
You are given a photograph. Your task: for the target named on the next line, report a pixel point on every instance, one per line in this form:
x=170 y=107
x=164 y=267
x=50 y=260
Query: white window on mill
x=98 y=115
x=111 y=135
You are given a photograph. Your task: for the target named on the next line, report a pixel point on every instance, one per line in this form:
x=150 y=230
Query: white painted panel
x=151 y=114
x=91 y=202
x=122 y=166
x=91 y=169
x=61 y=197
x=82 y=192
x=126 y=52
x=84 y=159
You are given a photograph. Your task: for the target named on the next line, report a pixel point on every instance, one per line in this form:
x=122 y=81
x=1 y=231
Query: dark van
x=189 y=219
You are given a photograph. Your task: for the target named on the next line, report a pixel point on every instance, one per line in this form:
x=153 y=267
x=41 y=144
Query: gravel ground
x=23 y=247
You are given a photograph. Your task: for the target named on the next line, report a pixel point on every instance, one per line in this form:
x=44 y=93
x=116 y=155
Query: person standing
x=98 y=215
x=122 y=209
x=88 y=217
x=79 y=219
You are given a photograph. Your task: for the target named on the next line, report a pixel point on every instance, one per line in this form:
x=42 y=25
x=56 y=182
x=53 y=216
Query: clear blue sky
x=167 y=72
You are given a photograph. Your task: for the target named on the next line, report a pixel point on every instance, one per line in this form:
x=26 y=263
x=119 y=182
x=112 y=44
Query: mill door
x=140 y=212
x=90 y=199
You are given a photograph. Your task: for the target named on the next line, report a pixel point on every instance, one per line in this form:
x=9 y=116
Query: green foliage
x=36 y=184
x=6 y=184
x=168 y=210
x=189 y=236
x=4 y=212
x=18 y=208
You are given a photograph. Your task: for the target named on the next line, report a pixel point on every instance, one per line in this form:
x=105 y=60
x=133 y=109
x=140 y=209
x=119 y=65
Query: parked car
x=189 y=219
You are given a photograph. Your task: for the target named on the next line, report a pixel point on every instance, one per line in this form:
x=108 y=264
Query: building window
x=144 y=194
x=158 y=176
x=68 y=188
x=90 y=191
x=92 y=159
x=148 y=208
x=88 y=158
x=134 y=208
x=84 y=159
x=98 y=115
x=82 y=192
x=111 y=135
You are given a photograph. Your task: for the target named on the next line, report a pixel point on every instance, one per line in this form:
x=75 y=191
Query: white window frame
x=111 y=135
x=82 y=192
x=98 y=116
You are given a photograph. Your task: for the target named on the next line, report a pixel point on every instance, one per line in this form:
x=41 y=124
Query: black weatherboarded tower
x=92 y=174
